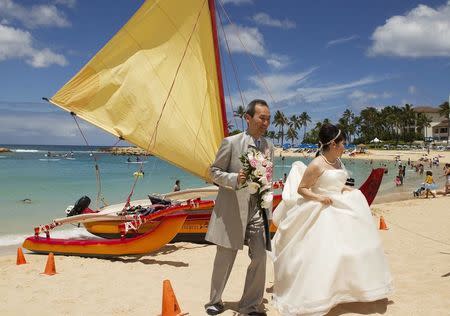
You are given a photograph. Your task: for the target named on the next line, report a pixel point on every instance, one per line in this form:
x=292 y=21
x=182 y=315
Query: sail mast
x=212 y=11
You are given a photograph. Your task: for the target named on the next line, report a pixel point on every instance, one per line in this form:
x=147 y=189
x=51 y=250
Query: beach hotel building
x=438 y=129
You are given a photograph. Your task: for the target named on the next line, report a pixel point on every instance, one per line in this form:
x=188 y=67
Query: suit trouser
x=256 y=272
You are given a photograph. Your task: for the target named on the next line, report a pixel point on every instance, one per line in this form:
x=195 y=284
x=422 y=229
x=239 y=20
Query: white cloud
x=34 y=16
x=245 y=39
x=282 y=85
x=412 y=89
x=51 y=128
x=341 y=40
x=40 y=125
x=278 y=61
x=16 y=43
x=421 y=32
x=264 y=19
x=236 y=2
x=330 y=91
x=289 y=90
x=360 y=99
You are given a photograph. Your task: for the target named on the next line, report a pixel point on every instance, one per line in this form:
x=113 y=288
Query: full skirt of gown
x=326 y=255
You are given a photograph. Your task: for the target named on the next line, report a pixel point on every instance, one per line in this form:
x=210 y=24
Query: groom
x=236 y=218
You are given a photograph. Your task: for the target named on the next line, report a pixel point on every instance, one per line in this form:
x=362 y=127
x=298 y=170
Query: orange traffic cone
x=50 y=266
x=383 y=225
x=20 y=257
x=170 y=305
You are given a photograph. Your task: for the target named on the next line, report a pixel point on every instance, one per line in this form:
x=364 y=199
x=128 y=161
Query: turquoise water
x=53 y=185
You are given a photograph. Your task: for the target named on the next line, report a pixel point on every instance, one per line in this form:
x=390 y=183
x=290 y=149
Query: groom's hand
x=241 y=177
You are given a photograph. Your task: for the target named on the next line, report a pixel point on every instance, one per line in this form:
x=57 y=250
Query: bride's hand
x=325 y=200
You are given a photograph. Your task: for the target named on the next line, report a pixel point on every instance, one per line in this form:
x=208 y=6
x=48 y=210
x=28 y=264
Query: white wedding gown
x=326 y=255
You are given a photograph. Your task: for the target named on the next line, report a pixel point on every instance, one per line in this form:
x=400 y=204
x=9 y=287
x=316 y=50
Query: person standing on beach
x=177 y=186
x=326 y=250
x=236 y=219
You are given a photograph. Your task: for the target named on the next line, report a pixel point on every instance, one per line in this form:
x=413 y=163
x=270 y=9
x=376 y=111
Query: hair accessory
x=337 y=135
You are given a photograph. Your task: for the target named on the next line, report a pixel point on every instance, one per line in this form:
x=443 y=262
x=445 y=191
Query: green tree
x=445 y=111
x=422 y=122
x=292 y=134
x=240 y=112
x=304 y=120
x=280 y=120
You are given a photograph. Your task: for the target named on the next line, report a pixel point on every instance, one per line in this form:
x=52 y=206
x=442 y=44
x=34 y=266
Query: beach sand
x=380 y=154
x=417 y=245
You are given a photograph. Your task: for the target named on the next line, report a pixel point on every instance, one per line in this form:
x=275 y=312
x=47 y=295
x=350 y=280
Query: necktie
x=258 y=143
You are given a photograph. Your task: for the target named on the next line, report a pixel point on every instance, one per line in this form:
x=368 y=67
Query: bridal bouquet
x=258 y=171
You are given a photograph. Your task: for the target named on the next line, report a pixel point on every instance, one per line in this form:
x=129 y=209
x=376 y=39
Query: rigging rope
x=100 y=196
x=244 y=102
x=248 y=54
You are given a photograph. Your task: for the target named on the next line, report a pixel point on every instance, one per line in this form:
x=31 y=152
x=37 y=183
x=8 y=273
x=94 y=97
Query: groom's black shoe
x=215 y=309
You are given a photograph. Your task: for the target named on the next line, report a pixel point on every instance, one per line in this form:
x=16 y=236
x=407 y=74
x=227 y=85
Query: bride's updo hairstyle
x=327 y=134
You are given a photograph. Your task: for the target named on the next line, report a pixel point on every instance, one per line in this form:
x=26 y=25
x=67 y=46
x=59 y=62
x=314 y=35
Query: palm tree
x=240 y=112
x=292 y=134
x=445 y=111
x=271 y=135
x=345 y=122
x=229 y=126
x=294 y=123
x=280 y=120
x=408 y=116
x=304 y=120
x=422 y=122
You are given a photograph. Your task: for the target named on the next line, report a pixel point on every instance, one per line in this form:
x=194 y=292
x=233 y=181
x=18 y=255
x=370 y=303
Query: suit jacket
x=231 y=211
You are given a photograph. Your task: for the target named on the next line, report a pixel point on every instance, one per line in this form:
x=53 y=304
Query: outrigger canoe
x=165 y=225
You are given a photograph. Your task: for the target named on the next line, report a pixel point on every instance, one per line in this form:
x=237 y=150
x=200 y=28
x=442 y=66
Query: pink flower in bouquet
x=253 y=163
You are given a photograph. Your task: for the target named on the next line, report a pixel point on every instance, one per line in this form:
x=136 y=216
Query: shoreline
x=376 y=154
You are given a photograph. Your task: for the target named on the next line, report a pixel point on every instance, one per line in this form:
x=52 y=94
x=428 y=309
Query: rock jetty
x=126 y=151
x=4 y=150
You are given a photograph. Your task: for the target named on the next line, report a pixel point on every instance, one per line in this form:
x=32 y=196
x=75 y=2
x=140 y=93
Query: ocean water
x=52 y=185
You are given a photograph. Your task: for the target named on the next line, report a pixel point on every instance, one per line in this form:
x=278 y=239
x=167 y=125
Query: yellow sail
x=155 y=84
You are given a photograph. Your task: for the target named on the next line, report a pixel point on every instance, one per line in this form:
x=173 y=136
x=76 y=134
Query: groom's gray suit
x=235 y=220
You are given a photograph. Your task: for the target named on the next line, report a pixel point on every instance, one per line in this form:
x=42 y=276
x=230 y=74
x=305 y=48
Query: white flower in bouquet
x=267 y=199
x=264 y=181
x=253 y=187
x=260 y=157
x=259 y=171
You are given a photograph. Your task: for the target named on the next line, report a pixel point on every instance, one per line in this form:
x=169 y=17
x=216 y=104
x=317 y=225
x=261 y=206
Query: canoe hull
x=146 y=243
x=193 y=229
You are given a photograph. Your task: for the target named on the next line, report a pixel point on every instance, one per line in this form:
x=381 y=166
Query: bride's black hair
x=327 y=134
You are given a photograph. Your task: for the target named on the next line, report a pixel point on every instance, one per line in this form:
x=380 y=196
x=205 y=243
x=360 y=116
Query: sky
x=315 y=56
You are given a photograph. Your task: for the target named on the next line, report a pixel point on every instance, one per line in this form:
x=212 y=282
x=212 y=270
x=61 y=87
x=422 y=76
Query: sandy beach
x=380 y=154
x=417 y=245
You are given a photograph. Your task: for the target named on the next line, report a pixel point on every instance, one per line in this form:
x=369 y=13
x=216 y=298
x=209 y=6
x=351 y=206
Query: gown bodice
x=331 y=181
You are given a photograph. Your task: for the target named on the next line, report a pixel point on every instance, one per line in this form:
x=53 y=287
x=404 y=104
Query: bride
x=326 y=250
